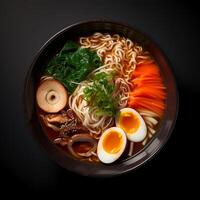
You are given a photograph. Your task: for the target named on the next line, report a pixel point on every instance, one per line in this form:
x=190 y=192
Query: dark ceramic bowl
x=50 y=48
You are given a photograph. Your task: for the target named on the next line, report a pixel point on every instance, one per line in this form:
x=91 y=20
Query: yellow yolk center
x=129 y=122
x=112 y=142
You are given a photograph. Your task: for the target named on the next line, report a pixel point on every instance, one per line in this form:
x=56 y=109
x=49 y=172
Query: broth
x=100 y=84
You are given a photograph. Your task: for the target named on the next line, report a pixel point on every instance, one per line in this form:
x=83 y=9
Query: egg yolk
x=112 y=142
x=129 y=122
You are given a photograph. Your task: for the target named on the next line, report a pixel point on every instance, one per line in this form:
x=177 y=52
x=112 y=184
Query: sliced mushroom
x=61 y=141
x=72 y=128
x=82 y=138
x=55 y=121
x=71 y=114
x=51 y=96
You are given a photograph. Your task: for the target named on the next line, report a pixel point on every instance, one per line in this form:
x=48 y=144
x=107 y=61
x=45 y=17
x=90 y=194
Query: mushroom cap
x=51 y=96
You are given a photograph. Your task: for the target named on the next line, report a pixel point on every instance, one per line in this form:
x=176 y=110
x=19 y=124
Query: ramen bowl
x=50 y=48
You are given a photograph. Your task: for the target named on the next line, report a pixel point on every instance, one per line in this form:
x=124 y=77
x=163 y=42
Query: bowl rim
x=55 y=36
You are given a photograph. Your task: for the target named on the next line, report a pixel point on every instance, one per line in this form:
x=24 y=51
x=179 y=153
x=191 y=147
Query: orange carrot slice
x=148 y=90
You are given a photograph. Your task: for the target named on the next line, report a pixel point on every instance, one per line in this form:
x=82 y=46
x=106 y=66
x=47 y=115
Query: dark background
x=25 y=25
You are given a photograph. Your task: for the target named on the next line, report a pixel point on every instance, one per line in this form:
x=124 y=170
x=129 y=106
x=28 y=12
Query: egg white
x=106 y=157
x=140 y=133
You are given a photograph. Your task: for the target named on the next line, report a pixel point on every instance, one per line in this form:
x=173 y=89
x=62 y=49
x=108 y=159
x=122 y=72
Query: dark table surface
x=26 y=25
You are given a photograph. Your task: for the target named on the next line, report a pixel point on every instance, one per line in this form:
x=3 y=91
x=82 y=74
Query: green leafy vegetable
x=99 y=94
x=72 y=64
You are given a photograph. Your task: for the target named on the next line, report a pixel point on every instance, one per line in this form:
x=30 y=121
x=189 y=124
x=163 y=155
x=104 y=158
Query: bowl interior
x=50 y=48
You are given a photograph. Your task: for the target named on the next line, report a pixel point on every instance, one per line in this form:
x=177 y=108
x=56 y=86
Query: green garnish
x=72 y=64
x=100 y=94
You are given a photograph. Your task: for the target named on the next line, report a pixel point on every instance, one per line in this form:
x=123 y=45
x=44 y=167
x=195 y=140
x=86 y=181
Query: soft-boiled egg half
x=111 y=145
x=132 y=123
